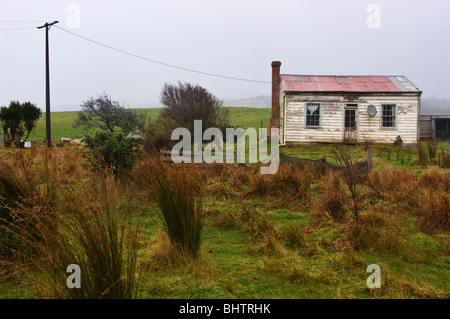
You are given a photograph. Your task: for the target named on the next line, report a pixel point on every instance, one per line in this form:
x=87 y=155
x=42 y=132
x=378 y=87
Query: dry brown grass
x=435 y=216
x=290 y=186
x=374 y=232
x=333 y=204
x=435 y=179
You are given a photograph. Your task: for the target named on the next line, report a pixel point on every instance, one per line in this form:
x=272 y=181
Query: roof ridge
x=288 y=74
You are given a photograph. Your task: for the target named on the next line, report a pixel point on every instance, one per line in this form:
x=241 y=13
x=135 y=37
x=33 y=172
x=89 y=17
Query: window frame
x=320 y=115
x=382 y=116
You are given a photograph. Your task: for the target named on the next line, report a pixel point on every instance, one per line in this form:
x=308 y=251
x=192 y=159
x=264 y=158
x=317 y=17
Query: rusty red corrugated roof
x=334 y=83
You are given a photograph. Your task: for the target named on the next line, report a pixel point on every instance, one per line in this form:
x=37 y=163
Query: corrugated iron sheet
x=321 y=83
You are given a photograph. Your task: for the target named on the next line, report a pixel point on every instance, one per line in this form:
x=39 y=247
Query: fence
x=319 y=165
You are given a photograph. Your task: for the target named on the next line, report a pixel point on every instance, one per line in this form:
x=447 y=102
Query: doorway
x=350 y=120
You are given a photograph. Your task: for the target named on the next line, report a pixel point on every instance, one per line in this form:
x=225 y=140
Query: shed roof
x=335 y=83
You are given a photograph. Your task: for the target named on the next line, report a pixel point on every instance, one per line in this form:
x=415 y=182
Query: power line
x=159 y=62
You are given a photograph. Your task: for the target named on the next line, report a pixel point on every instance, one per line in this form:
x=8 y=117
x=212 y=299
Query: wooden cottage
x=353 y=109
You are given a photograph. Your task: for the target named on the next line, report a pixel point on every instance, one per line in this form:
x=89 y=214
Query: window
x=388 y=115
x=313 y=114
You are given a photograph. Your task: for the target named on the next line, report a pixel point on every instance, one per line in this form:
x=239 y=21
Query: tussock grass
x=333 y=205
x=177 y=191
x=436 y=214
x=373 y=232
x=423 y=155
x=436 y=179
x=291 y=185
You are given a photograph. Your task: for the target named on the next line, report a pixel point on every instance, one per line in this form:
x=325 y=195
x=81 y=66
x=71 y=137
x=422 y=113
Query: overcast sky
x=226 y=37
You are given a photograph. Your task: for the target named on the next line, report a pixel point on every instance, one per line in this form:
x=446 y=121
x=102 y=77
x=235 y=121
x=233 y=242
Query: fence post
x=369 y=159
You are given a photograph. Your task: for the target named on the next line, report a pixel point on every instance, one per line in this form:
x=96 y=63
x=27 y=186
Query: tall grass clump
x=333 y=203
x=444 y=158
x=422 y=153
x=432 y=148
x=290 y=185
x=436 y=214
x=18 y=183
x=83 y=226
x=177 y=193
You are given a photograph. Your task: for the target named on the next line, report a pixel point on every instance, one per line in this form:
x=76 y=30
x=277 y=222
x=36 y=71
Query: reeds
x=177 y=192
x=82 y=224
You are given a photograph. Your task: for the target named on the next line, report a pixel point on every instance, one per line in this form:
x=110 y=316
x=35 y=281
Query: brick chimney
x=275 y=116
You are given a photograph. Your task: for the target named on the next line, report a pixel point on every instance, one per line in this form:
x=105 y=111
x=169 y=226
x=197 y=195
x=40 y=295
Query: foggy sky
x=225 y=37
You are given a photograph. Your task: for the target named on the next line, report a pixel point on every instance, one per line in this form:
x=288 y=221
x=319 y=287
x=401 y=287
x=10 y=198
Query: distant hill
x=433 y=106
x=263 y=101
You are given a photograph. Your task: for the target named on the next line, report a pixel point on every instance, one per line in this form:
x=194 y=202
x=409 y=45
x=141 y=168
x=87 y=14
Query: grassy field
x=63 y=122
x=288 y=235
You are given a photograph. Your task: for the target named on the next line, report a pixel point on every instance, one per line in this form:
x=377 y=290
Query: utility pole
x=47 y=86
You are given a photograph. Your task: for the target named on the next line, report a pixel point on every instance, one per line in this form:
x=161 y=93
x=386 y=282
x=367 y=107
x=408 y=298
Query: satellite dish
x=372 y=110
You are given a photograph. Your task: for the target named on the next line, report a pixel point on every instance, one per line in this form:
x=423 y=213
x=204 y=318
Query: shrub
x=157 y=135
x=111 y=150
x=186 y=102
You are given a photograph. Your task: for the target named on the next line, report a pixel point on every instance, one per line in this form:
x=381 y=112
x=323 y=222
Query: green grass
x=63 y=122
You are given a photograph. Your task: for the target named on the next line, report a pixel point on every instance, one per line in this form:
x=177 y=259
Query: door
x=350 y=129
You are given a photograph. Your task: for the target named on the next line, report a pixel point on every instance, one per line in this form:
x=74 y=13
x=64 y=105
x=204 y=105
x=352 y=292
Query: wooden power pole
x=47 y=86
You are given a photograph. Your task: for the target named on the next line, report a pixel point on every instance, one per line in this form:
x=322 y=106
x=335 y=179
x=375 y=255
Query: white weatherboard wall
x=332 y=117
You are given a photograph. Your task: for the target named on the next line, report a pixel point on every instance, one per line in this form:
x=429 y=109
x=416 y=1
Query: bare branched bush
x=344 y=160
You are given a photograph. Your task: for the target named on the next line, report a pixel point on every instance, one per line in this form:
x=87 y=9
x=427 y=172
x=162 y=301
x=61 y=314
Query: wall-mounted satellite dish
x=371 y=110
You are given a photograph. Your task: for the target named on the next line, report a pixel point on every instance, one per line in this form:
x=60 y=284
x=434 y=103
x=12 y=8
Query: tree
x=185 y=103
x=108 y=115
x=15 y=119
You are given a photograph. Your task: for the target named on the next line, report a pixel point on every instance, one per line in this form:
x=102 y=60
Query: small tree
x=185 y=103
x=109 y=115
x=16 y=119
